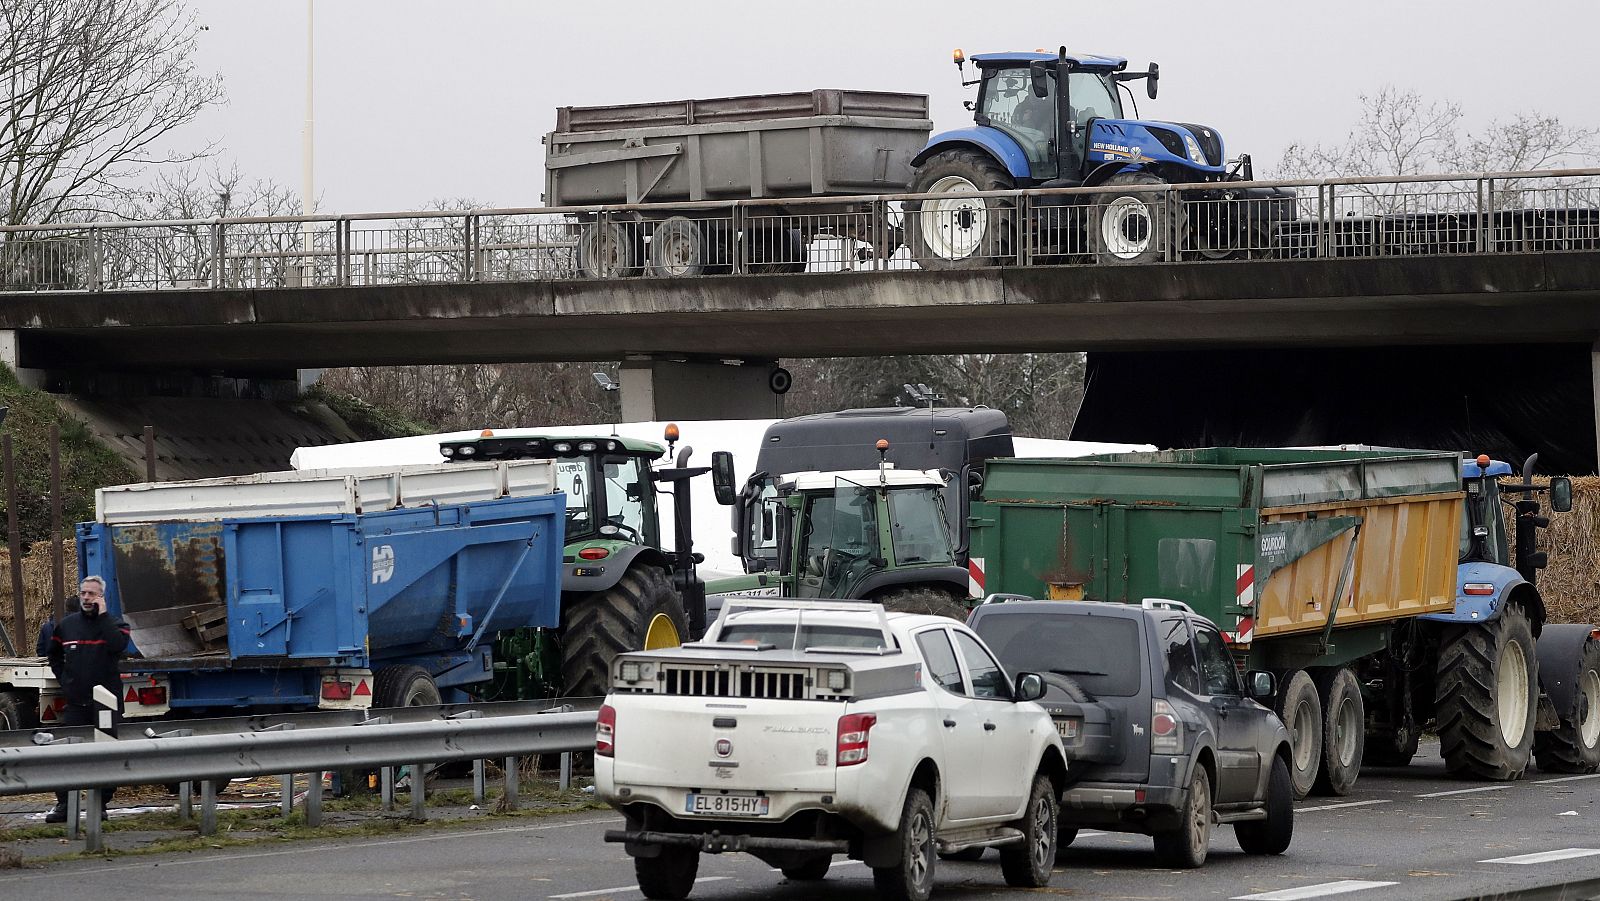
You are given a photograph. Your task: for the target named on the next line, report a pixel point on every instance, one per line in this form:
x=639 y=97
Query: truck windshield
x=784 y=636
x=1099 y=653
x=1483 y=508
x=916 y=526
x=1091 y=97
x=1007 y=102
x=574 y=476
x=627 y=498
x=839 y=540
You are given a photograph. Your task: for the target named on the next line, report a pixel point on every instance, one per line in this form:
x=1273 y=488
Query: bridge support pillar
x=10 y=354
x=657 y=387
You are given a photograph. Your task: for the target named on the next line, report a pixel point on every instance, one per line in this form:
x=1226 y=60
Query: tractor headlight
x=1196 y=155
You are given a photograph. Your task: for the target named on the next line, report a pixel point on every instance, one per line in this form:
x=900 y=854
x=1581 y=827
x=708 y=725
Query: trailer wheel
x=1344 y=726
x=1574 y=746
x=607 y=250
x=1301 y=712
x=16 y=712
x=1130 y=227
x=911 y=879
x=1487 y=696
x=669 y=875
x=597 y=627
x=960 y=232
x=776 y=250
x=404 y=686
x=677 y=249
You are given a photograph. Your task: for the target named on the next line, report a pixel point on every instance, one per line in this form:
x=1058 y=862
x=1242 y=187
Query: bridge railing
x=1131 y=221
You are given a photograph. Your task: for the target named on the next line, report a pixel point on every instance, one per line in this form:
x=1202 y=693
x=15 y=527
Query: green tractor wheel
x=641 y=611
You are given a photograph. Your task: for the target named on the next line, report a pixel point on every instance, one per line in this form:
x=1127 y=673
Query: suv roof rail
x=1001 y=597
x=1165 y=604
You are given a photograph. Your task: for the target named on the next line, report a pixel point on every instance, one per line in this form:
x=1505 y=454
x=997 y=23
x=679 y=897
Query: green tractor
x=621 y=589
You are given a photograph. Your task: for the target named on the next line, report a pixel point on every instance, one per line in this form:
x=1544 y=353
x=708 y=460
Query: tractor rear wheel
x=1487 y=696
x=1128 y=227
x=960 y=232
x=1574 y=746
x=404 y=686
x=640 y=611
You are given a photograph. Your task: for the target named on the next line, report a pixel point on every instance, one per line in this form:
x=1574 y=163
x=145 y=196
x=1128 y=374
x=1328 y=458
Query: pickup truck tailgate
x=725 y=743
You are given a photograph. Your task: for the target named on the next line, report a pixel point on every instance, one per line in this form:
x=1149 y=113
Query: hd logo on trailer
x=382 y=563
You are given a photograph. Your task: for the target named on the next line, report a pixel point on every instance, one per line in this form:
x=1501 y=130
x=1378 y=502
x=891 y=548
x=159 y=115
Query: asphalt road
x=1402 y=834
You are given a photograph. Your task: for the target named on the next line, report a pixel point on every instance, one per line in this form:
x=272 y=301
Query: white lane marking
x=1467 y=791
x=1090 y=833
x=1563 y=779
x=842 y=863
x=627 y=888
x=1546 y=856
x=1316 y=891
x=1344 y=805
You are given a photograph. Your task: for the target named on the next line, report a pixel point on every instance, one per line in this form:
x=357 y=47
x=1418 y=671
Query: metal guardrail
x=1477 y=213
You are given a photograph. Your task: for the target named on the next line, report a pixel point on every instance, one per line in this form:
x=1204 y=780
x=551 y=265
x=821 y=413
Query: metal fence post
x=219 y=258
x=419 y=791
x=469 y=244
x=314 y=799
x=286 y=801
x=478 y=790
x=739 y=248
x=92 y=837
x=566 y=770
x=208 y=807
x=1024 y=230
x=386 y=786
x=186 y=800
x=1324 y=219
x=74 y=811
x=1168 y=198
x=96 y=272
x=511 y=784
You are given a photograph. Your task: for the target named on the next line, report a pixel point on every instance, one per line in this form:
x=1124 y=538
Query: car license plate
x=726 y=805
x=1068 y=728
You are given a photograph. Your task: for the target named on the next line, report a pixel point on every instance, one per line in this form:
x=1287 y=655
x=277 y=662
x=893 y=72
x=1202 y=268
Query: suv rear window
x=1100 y=653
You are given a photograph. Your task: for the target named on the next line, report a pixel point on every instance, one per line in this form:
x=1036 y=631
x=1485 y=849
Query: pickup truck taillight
x=1166 y=735
x=605 y=732
x=853 y=735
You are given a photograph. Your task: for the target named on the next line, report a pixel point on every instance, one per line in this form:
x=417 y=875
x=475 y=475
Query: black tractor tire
x=776 y=250
x=1027 y=864
x=1485 y=722
x=599 y=626
x=1300 y=708
x=1392 y=748
x=1273 y=834
x=811 y=870
x=1185 y=847
x=669 y=875
x=956 y=234
x=404 y=686
x=911 y=879
x=1574 y=746
x=1344 y=725
x=966 y=855
x=923 y=600
x=1133 y=227
x=677 y=249
x=17 y=712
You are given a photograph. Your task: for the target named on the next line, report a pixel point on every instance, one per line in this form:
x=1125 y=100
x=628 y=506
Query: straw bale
x=37 y=586
x=1570 y=585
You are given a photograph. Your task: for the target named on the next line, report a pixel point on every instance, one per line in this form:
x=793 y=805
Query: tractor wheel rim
x=1589 y=709
x=953 y=228
x=662 y=633
x=1303 y=749
x=1347 y=730
x=1511 y=690
x=1126 y=227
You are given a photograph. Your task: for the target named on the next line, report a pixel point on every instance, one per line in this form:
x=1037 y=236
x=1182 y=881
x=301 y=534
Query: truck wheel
x=1273 y=834
x=1574 y=746
x=607 y=250
x=1027 y=864
x=1185 y=847
x=912 y=878
x=922 y=600
x=1487 y=697
x=404 y=686
x=810 y=871
x=1344 y=727
x=677 y=249
x=598 y=627
x=1301 y=712
x=1128 y=227
x=669 y=875
x=16 y=712
x=960 y=232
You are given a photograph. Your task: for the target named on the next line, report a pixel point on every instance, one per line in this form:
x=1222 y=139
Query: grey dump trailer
x=765 y=152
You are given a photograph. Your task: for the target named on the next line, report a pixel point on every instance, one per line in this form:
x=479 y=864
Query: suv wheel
x=1271 y=835
x=1027 y=864
x=912 y=878
x=1185 y=847
x=669 y=875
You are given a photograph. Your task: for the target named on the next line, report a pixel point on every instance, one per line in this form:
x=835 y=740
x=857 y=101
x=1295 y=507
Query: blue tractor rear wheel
x=958 y=231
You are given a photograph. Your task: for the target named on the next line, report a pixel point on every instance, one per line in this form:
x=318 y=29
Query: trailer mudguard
x=1560 y=650
x=1482 y=608
x=985 y=139
x=610 y=569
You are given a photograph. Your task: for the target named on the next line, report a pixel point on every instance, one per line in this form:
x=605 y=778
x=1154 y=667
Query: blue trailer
x=329 y=588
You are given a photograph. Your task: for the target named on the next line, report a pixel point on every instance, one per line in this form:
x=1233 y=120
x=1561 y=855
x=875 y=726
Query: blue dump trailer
x=328 y=588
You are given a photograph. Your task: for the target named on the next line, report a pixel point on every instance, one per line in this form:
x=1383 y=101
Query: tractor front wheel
x=640 y=611
x=1134 y=226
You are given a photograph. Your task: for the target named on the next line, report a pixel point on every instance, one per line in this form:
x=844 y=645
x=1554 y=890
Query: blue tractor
x=1047 y=120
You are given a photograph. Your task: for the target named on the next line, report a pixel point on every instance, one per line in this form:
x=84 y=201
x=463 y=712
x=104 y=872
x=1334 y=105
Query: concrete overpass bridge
x=1488 y=259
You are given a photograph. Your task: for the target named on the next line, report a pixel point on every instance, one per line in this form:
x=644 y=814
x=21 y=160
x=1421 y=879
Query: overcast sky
x=420 y=101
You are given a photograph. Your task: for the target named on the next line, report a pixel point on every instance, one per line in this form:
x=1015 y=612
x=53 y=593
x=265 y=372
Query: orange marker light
x=883 y=444
x=486 y=433
x=959 y=56
x=1483 y=460
x=672 y=431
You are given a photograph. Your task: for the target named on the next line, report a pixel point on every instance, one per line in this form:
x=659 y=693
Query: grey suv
x=1161 y=735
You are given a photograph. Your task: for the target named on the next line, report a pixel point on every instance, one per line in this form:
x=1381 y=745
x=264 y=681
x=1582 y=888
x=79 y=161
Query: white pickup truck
x=799 y=730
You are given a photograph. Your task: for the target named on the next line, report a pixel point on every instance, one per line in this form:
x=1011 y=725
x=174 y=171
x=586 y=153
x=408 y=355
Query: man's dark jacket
x=84 y=652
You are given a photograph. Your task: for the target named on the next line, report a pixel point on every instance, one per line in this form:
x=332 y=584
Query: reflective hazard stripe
x=1244 y=587
x=1245 y=631
x=975 y=577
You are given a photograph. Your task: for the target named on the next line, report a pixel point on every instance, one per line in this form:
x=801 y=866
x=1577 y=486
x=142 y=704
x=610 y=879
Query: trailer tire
x=923 y=600
x=776 y=250
x=1487 y=696
x=607 y=250
x=1273 y=834
x=962 y=232
x=1344 y=724
x=404 y=686
x=1574 y=746
x=677 y=249
x=1301 y=711
x=16 y=712
x=669 y=875
x=1132 y=227
x=911 y=877
x=599 y=626
x=1027 y=864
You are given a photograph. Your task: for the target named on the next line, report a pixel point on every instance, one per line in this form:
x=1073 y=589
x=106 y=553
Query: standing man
x=84 y=653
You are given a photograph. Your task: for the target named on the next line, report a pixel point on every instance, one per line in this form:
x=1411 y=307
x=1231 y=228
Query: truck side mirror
x=722 y=477
x=1150 y=83
x=1040 y=76
x=1262 y=686
x=1029 y=687
x=1560 y=494
x=766 y=523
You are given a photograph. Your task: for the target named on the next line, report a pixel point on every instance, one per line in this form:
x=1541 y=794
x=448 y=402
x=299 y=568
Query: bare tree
x=92 y=87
